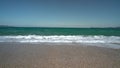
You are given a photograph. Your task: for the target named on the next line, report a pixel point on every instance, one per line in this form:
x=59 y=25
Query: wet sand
x=15 y=55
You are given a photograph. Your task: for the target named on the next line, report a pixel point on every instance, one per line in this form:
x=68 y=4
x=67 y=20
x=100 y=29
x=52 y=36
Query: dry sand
x=57 y=56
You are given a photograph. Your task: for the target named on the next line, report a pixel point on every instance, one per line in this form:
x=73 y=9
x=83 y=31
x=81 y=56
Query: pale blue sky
x=60 y=13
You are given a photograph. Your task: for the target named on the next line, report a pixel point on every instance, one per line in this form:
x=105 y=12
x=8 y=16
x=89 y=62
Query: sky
x=60 y=13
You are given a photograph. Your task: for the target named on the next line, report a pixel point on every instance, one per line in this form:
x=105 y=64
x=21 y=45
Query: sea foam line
x=61 y=39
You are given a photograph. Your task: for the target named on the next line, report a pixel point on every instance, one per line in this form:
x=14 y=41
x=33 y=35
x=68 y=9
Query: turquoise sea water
x=104 y=37
x=58 y=31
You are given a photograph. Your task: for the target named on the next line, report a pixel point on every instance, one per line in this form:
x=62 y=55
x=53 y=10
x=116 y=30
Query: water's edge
x=97 y=40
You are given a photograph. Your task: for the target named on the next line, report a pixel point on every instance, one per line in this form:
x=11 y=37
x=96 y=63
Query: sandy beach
x=16 y=55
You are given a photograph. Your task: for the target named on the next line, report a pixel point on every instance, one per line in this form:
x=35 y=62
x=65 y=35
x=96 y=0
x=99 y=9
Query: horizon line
x=55 y=27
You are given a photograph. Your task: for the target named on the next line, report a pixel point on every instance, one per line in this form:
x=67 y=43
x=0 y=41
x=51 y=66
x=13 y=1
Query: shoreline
x=15 y=55
x=101 y=45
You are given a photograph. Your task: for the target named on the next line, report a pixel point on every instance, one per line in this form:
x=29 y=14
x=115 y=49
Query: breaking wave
x=61 y=39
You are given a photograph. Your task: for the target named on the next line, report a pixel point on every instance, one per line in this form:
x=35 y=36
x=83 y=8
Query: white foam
x=61 y=39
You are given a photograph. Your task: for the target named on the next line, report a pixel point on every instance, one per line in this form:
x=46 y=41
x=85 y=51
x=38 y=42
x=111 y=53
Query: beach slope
x=16 y=55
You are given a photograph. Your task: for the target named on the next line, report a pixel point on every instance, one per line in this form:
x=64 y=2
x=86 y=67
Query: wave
x=61 y=39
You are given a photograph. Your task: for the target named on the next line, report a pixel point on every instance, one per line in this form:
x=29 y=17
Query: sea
x=105 y=37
